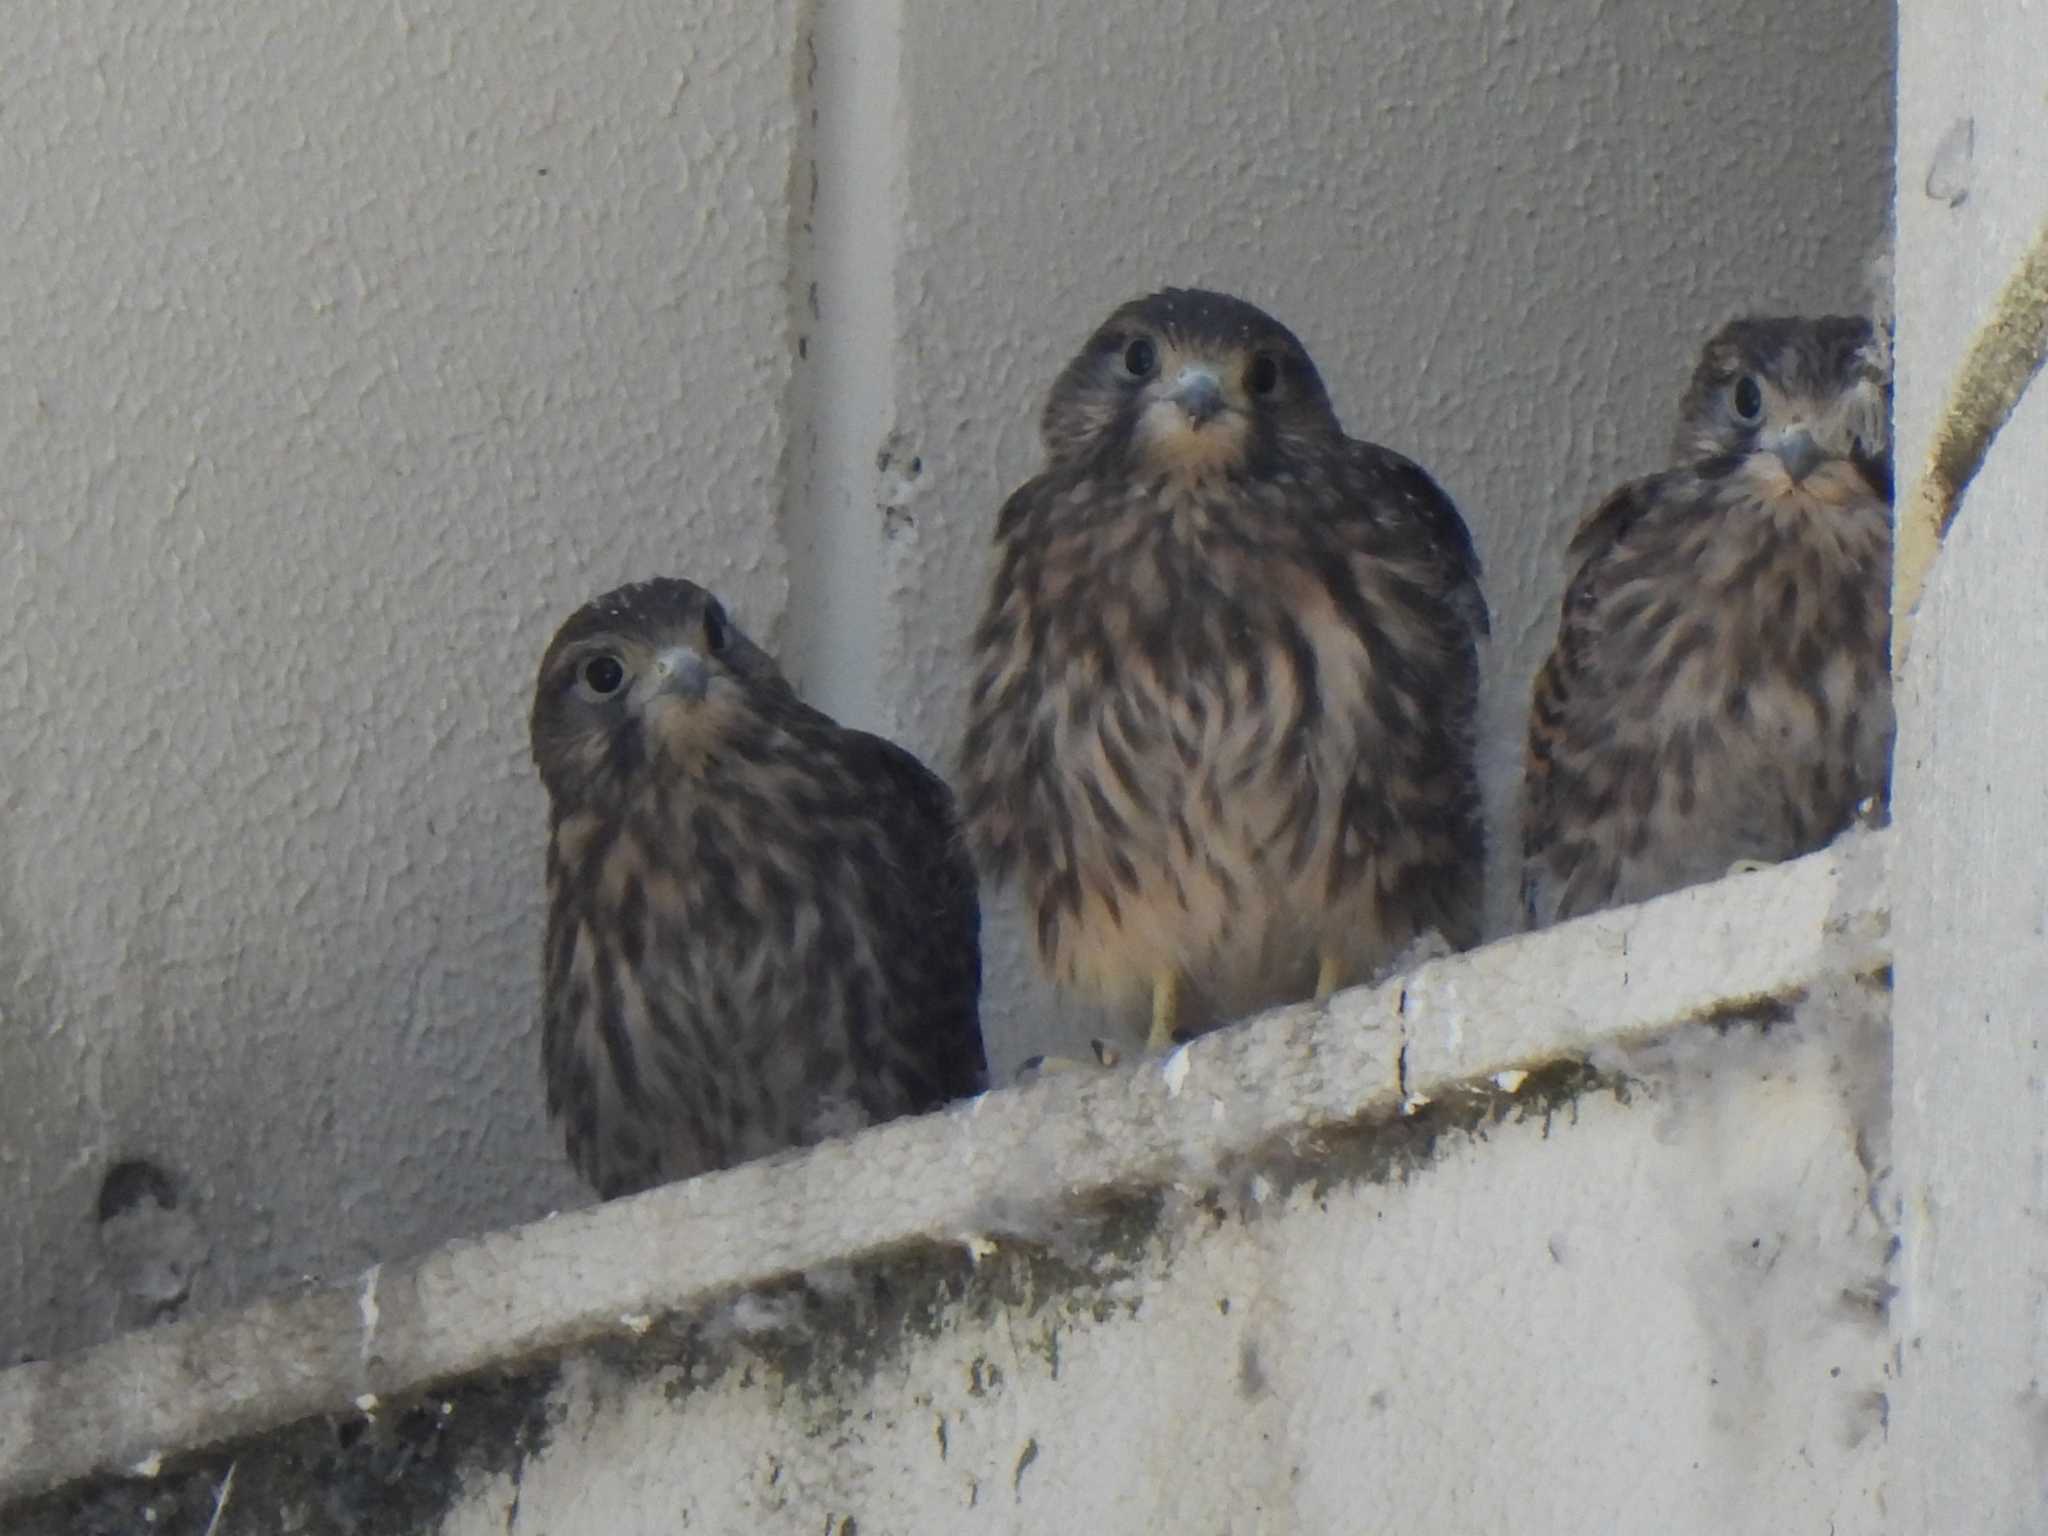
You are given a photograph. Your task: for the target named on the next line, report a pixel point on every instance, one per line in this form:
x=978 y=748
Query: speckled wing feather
x=1394 y=481
x=1414 y=546
x=1563 y=676
x=934 y=909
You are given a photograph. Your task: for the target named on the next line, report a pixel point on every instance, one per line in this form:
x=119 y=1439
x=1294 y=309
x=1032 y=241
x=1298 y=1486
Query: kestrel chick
x=762 y=927
x=1720 y=689
x=1221 y=727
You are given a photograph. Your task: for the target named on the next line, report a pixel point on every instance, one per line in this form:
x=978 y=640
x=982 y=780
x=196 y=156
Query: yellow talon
x=1329 y=977
x=1165 y=1012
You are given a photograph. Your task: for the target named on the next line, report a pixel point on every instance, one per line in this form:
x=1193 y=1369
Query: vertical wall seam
x=846 y=212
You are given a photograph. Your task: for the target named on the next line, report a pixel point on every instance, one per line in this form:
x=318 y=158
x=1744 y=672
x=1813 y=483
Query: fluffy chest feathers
x=1196 y=717
x=1721 y=690
x=1193 y=686
x=1767 y=610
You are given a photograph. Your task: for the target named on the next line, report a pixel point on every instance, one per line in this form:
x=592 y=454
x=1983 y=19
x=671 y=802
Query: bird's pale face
x=1195 y=403
x=646 y=680
x=1188 y=384
x=1800 y=405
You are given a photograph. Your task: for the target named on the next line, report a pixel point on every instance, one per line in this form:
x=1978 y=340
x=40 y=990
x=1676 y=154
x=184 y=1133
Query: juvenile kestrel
x=1221 y=728
x=762 y=927
x=1720 y=691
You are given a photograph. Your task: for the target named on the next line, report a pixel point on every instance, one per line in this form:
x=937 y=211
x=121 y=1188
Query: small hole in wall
x=132 y=1181
x=150 y=1246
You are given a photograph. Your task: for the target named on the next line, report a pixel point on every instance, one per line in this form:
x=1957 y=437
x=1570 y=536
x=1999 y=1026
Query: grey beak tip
x=1800 y=455
x=683 y=673
x=1200 y=398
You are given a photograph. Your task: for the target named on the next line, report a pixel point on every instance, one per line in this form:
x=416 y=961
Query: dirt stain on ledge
x=395 y=1471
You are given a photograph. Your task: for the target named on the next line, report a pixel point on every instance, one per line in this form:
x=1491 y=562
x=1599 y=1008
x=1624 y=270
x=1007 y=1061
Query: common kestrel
x=1720 y=690
x=1221 y=728
x=762 y=926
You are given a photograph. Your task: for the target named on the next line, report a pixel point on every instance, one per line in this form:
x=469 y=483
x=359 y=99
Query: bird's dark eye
x=602 y=675
x=1140 y=358
x=1264 y=377
x=717 y=632
x=1749 y=400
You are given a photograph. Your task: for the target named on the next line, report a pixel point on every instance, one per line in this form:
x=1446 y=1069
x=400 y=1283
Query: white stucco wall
x=345 y=349
x=321 y=403
x=1971 y=802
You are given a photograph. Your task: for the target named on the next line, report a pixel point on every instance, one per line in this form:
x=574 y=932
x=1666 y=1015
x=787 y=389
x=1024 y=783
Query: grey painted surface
x=321 y=403
x=1972 y=805
x=346 y=349
x=1517 y=1209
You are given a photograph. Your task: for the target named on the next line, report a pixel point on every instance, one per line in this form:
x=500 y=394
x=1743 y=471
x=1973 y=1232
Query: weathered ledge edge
x=549 y=1287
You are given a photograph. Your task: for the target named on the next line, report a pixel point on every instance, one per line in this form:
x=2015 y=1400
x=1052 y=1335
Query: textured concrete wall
x=1656 y=1312
x=1971 y=800
x=1655 y=1317
x=1543 y=1238
x=321 y=401
x=345 y=347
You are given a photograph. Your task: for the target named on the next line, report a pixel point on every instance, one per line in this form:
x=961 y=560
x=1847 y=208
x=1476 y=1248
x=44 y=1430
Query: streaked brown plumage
x=1221 y=727
x=1720 y=688
x=762 y=927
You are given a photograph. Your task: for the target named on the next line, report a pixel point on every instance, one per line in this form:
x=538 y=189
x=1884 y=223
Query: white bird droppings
x=366 y=1306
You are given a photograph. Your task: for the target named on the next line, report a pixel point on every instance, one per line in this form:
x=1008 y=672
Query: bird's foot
x=1165 y=1014
x=1426 y=946
x=1748 y=866
x=1106 y=1057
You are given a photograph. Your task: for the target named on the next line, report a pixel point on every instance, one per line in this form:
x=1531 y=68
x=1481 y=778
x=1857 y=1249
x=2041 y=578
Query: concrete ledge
x=960 y=1178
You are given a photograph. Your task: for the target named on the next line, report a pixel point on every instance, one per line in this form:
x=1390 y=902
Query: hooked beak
x=1799 y=453
x=1199 y=393
x=682 y=672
